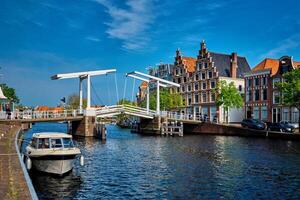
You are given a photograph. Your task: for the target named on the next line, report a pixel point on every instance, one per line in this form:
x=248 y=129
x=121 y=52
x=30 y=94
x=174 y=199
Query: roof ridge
x=226 y=54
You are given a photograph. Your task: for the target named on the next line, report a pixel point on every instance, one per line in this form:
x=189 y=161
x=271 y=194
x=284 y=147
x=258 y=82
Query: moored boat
x=52 y=153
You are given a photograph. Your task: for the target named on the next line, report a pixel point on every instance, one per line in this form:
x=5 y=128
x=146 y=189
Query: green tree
x=10 y=93
x=125 y=102
x=73 y=101
x=167 y=100
x=290 y=88
x=228 y=96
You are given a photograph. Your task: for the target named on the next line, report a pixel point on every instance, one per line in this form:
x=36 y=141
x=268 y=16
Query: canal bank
x=234 y=130
x=14 y=179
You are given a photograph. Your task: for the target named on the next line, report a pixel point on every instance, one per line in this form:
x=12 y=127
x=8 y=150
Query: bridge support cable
x=117 y=91
x=133 y=86
x=124 y=92
x=96 y=94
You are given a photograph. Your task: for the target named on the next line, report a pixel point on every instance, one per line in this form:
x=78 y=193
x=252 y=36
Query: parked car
x=254 y=124
x=295 y=125
x=280 y=127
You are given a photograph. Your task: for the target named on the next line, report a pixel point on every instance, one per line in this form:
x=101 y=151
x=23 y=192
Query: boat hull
x=54 y=164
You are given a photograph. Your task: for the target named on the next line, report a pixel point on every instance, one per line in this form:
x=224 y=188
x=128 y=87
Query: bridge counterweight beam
x=80 y=95
x=88 y=92
x=148 y=93
x=157 y=99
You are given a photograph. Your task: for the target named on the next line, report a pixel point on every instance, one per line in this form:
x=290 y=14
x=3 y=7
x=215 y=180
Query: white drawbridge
x=110 y=111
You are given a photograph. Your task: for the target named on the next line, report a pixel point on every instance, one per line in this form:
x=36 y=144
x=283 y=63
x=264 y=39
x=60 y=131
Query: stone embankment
x=231 y=130
x=14 y=180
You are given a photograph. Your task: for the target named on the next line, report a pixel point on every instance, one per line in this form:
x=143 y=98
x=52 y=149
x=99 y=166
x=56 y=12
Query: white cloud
x=92 y=38
x=130 y=24
x=283 y=47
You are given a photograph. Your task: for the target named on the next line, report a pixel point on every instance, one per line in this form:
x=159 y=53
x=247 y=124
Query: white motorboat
x=52 y=153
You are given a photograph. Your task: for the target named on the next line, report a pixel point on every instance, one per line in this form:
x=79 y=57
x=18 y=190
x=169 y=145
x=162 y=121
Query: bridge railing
x=180 y=116
x=38 y=114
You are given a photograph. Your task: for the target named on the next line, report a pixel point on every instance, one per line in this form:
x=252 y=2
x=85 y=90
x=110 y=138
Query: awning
x=2 y=95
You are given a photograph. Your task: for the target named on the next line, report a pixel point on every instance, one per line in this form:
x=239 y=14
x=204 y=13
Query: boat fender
x=28 y=163
x=81 y=160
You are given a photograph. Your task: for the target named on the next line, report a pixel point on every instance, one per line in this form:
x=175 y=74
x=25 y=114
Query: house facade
x=199 y=76
x=262 y=98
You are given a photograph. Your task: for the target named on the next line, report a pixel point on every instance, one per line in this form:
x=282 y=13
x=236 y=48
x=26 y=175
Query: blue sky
x=42 y=38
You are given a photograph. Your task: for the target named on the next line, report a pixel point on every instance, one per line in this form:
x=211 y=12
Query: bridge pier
x=151 y=126
x=85 y=127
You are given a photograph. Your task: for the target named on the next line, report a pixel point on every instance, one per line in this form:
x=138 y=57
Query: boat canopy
x=51 y=135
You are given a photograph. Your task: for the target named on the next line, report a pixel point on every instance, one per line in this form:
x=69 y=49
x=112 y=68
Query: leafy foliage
x=290 y=88
x=167 y=100
x=10 y=93
x=228 y=96
x=73 y=101
x=125 y=102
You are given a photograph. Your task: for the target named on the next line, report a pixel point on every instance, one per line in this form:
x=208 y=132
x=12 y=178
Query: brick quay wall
x=232 y=130
x=14 y=179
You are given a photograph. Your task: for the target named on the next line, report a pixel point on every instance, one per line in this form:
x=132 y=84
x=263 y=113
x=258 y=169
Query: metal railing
x=28 y=115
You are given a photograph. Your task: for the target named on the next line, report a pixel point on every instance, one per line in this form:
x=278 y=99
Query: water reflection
x=130 y=166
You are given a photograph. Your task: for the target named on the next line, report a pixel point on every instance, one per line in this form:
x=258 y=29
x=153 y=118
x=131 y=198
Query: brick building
x=262 y=98
x=198 y=76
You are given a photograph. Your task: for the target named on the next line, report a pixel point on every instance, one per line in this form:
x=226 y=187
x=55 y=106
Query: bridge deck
x=59 y=119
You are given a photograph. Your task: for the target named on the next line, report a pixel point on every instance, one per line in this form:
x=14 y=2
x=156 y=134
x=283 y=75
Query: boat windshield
x=56 y=143
x=43 y=143
x=68 y=143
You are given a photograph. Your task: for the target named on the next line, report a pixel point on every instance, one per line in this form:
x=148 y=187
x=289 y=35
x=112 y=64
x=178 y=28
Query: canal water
x=131 y=166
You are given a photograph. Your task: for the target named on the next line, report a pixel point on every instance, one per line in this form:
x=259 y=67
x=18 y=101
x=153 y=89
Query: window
x=240 y=88
x=206 y=65
x=203 y=76
x=197 y=77
x=178 y=89
x=68 y=143
x=189 y=88
x=276 y=97
x=256 y=81
x=199 y=65
x=264 y=94
x=56 y=143
x=248 y=96
x=285 y=115
x=182 y=89
x=264 y=81
x=256 y=113
x=196 y=98
x=264 y=113
x=210 y=74
x=212 y=84
x=249 y=83
x=275 y=80
x=203 y=97
x=256 y=95
x=203 y=86
x=295 y=115
x=189 y=100
x=212 y=96
x=33 y=142
x=43 y=143
x=179 y=80
x=196 y=86
x=184 y=79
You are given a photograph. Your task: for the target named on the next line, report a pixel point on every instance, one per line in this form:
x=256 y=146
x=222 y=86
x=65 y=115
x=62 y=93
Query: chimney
x=233 y=66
